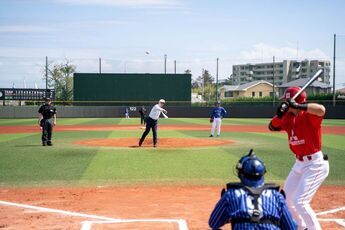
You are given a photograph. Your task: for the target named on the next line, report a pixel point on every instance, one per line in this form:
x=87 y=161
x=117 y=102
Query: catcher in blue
x=216 y=117
x=252 y=204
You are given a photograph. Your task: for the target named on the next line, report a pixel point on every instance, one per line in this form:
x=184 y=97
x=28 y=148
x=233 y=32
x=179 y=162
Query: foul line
x=331 y=211
x=68 y=213
x=182 y=224
x=338 y=221
x=86 y=225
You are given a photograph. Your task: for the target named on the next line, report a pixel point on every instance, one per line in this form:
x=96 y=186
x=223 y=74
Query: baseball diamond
x=172 y=115
x=124 y=183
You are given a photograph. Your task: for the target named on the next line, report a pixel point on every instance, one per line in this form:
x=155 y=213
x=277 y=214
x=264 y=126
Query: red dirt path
x=192 y=203
x=338 y=130
x=162 y=143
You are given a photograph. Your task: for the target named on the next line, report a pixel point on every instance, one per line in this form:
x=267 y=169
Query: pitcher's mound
x=162 y=142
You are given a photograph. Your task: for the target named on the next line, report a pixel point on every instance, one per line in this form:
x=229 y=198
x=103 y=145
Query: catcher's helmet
x=292 y=91
x=251 y=170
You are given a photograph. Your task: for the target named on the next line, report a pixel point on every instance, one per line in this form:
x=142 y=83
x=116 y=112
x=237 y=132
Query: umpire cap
x=251 y=170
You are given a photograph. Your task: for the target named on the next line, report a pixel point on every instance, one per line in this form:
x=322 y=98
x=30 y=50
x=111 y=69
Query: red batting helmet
x=292 y=91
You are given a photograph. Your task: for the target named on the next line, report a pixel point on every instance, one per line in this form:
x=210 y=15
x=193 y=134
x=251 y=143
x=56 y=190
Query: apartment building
x=285 y=71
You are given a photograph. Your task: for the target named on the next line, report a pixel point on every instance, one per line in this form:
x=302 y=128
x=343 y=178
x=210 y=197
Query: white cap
x=162 y=101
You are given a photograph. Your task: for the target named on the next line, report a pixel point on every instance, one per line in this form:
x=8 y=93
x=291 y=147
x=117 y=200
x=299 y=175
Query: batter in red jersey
x=302 y=122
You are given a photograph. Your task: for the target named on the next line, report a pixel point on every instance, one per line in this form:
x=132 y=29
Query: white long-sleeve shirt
x=156 y=112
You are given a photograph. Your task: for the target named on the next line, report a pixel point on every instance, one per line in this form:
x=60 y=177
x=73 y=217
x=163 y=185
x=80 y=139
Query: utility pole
x=217 y=80
x=46 y=74
x=334 y=50
x=165 y=64
x=274 y=92
x=100 y=65
x=203 y=83
x=175 y=66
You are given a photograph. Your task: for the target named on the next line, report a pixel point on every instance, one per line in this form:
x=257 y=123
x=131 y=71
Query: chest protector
x=255 y=193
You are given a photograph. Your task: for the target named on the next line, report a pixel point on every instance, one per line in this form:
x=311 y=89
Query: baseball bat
x=316 y=75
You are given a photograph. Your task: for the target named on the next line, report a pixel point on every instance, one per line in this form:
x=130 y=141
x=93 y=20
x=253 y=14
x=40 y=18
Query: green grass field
x=24 y=162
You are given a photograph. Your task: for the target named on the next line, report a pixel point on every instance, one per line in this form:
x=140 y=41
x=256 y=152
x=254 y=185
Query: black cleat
x=49 y=143
x=211 y=135
x=44 y=143
x=154 y=146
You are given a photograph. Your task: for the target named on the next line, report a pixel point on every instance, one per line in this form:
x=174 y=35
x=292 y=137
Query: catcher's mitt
x=211 y=120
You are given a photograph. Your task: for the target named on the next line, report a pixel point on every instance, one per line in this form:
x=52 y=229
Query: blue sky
x=194 y=33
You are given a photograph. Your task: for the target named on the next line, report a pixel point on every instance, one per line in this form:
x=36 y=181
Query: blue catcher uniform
x=252 y=204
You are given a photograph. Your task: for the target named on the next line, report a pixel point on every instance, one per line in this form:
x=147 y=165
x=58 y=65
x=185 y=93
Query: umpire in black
x=47 y=119
x=142 y=112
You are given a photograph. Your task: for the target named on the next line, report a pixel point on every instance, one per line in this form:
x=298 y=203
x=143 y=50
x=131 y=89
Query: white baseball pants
x=217 y=123
x=301 y=185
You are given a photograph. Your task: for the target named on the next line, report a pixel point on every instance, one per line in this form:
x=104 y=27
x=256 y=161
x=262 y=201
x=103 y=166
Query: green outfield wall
x=122 y=87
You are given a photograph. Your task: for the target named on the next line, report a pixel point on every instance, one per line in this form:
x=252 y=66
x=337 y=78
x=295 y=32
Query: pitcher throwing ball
x=152 y=122
x=302 y=122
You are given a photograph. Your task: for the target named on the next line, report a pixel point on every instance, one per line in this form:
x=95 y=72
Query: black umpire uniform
x=48 y=113
x=142 y=112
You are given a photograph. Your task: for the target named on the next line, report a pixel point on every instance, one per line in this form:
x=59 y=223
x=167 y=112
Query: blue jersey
x=218 y=112
x=236 y=203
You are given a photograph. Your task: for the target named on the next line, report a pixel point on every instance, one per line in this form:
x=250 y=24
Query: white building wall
x=285 y=71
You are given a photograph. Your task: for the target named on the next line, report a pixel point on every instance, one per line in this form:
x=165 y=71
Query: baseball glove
x=211 y=120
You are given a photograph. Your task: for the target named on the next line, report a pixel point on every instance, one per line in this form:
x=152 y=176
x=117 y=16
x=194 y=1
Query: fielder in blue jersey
x=216 y=117
x=252 y=204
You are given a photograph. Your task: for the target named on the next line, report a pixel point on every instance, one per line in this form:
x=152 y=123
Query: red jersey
x=304 y=132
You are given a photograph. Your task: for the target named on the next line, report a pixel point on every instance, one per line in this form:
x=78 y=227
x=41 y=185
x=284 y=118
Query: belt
x=312 y=156
x=152 y=118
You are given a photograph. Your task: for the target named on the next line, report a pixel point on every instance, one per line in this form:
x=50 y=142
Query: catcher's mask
x=251 y=170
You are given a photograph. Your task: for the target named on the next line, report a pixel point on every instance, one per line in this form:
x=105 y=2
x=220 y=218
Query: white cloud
x=125 y=3
x=267 y=51
x=24 y=29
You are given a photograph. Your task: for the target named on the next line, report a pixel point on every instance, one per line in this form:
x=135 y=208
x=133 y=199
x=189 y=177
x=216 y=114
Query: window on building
x=271 y=94
x=253 y=94
x=260 y=94
x=228 y=94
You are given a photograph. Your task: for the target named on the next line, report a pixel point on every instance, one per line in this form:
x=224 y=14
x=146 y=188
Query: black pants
x=47 y=130
x=142 y=119
x=150 y=124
